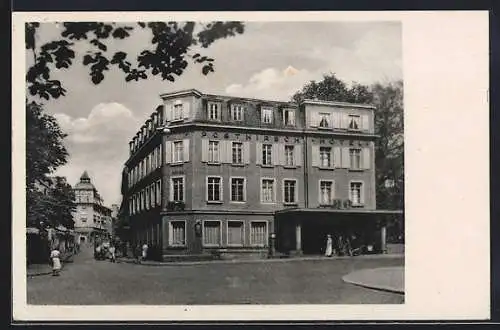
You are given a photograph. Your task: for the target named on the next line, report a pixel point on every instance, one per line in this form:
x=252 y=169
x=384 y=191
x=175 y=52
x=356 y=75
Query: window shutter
x=221 y=189
x=186 y=110
x=297 y=154
x=168 y=152
x=170 y=234
x=313 y=119
x=366 y=158
x=185 y=149
x=346 y=160
x=336 y=157
x=246 y=152
x=226 y=151
x=168 y=111
x=345 y=121
x=362 y=194
x=204 y=150
x=315 y=155
x=281 y=154
x=276 y=154
x=171 y=190
x=258 y=153
x=365 y=125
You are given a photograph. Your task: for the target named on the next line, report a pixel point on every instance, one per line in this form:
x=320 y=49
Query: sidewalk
x=243 y=261
x=46 y=269
x=386 y=279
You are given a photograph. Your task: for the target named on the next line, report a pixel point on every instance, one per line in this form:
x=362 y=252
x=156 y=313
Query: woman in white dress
x=329 y=246
x=56 y=261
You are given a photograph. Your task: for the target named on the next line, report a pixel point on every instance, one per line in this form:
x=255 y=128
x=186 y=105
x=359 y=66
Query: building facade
x=92 y=218
x=209 y=172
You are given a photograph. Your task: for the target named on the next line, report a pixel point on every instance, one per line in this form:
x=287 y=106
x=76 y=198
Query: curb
x=236 y=261
x=49 y=272
x=379 y=287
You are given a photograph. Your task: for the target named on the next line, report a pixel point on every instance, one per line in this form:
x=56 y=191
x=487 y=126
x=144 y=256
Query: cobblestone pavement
x=90 y=282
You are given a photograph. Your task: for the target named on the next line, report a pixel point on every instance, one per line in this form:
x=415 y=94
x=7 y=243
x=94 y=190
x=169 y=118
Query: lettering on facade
x=276 y=139
x=297 y=140
x=249 y=137
x=226 y=136
x=215 y=135
x=177 y=172
x=203 y=133
x=266 y=138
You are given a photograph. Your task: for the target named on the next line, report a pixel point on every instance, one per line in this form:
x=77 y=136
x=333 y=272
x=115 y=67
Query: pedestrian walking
x=112 y=253
x=55 y=257
x=144 y=251
x=137 y=252
x=329 y=246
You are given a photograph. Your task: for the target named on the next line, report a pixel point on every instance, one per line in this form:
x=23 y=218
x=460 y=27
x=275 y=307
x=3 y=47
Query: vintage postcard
x=250 y=166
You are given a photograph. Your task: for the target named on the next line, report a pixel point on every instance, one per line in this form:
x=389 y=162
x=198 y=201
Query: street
x=91 y=282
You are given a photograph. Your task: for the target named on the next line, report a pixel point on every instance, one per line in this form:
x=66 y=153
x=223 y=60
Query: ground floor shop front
x=254 y=234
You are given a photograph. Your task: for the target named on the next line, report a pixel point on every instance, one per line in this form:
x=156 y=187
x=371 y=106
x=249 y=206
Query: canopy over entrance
x=304 y=230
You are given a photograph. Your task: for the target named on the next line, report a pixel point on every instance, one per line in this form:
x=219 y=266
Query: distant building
x=115 y=208
x=92 y=218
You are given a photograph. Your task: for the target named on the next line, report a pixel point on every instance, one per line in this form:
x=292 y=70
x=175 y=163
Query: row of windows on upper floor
x=180 y=111
x=237 y=153
x=150 y=196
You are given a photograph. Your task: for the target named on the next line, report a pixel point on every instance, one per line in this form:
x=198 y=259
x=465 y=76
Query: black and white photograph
x=214 y=162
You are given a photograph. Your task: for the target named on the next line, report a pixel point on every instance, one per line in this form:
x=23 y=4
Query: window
x=289 y=156
x=267 y=191
x=258 y=233
x=177 y=233
x=325 y=192
x=237 y=189
x=325 y=156
x=237 y=112
x=213 y=111
x=237 y=153
x=267 y=115
x=235 y=233
x=267 y=154
x=214 y=189
x=178 y=113
x=289 y=191
x=355 y=193
x=324 y=120
x=213 y=151
x=354 y=122
x=289 y=117
x=211 y=233
x=177 y=189
x=178 y=151
x=355 y=158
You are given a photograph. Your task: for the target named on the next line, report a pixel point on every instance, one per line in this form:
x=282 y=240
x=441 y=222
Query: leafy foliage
x=52 y=207
x=44 y=148
x=171 y=52
x=389 y=147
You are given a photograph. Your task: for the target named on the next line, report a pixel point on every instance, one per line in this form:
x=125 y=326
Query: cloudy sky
x=270 y=60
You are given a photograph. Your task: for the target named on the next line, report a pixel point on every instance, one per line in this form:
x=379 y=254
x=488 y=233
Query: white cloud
x=374 y=56
x=99 y=144
x=272 y=83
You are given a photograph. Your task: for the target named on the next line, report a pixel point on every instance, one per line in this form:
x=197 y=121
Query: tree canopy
x=168 y=52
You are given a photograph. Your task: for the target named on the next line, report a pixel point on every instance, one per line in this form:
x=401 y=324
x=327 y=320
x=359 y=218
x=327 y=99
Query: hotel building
x=211 y=172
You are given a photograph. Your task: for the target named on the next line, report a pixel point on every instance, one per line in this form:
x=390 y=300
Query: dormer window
x=324 y=120
x=237 y=112
x=289 y=117
x=354 y=122
x=177 y=111
x=213 y=111
x=267 y=115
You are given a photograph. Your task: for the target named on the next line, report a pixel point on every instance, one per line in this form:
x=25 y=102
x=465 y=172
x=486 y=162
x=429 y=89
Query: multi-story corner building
x=92 y=218
x=212 y=172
